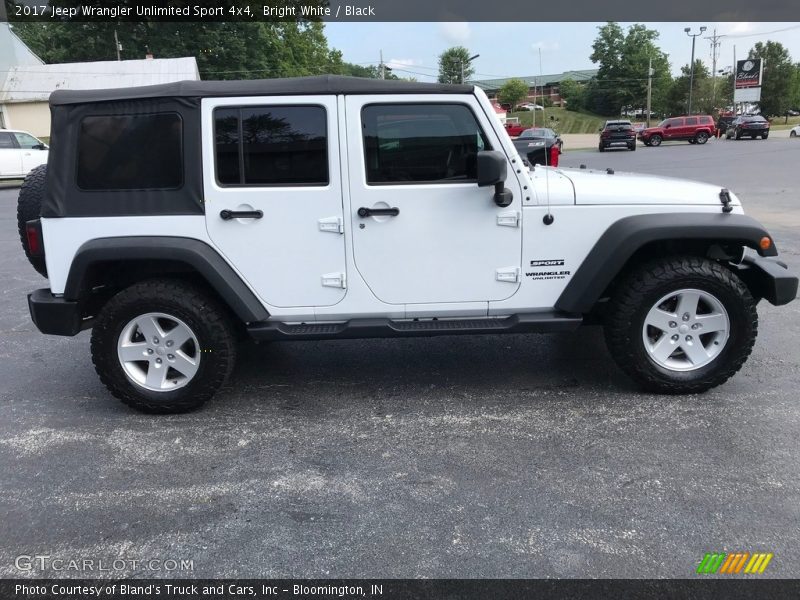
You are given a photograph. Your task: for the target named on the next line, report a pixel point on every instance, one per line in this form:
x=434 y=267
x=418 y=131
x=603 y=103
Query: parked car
x=751 y=126
x=795 y=131
x=695 y=129
x=617 y=133
x=20 y=152
x=514 y=127
x=793 y=112
x=169 y=220
x=534 y=145
x=530 y=106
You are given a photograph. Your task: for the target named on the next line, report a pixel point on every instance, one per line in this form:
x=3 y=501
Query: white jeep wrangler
x=175 y=219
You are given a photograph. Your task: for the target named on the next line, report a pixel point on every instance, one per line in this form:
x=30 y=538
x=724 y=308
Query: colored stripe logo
x=734 y=563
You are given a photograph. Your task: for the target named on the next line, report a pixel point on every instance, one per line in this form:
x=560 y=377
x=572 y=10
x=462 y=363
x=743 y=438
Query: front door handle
x=364 y=212
x=227 y=215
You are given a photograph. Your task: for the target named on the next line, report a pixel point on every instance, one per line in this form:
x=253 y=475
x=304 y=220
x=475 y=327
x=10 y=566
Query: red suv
x=695 y=130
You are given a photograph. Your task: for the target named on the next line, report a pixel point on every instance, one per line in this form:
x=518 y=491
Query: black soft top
x=293 y=86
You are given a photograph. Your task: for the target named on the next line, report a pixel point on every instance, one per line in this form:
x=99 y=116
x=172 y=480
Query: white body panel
x=10 y=162
x=17 y=162
x=442 y=256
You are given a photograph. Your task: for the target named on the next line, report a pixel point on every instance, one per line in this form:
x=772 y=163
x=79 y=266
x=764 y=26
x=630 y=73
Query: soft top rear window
x=130 y=152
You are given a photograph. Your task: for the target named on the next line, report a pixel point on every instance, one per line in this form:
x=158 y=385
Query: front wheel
x=163 y=346
x=792 y=134
x=701 y=137
x=655 y=140
x=681 y=325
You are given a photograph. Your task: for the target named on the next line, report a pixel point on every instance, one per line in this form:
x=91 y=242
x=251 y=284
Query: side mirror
x=40 y=147
x=492 y=169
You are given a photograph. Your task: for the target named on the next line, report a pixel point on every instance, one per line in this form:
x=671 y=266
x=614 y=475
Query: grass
x=778 y=123
x=563 y=121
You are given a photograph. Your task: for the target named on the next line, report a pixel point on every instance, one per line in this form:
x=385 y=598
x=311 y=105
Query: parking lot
x=516 y=456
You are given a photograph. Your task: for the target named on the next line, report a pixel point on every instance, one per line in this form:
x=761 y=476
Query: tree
x=454 y=65
x=702 y=94
x=513 y=92
x=623 y=59
x=227 y=50
x=572 y=93
x=776 y=86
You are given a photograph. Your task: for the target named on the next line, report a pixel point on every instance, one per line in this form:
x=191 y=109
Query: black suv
x=617 y=133
x=752 y=126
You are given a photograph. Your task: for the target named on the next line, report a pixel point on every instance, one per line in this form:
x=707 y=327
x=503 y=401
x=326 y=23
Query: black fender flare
x=196 y=254
x=627 y=235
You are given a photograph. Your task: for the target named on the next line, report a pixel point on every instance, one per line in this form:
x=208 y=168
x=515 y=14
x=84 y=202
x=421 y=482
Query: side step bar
x=371 y=328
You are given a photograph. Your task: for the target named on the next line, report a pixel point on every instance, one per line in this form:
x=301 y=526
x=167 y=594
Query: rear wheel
x=792 y=134
x=601 y=148
x=163 y=346
x=632 y=147
x=701 y=137
x=737 y=135
x=655 y=140
x=681 y=325
x=765 y=136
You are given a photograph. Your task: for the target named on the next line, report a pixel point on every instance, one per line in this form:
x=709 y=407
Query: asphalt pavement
x=496 y=456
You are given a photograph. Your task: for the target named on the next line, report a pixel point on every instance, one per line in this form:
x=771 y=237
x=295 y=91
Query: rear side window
x=674 y=123
x=6 y=141
x=706 y=120
x=130 y=152
x=432 y=143
x=271 y=145
x=691 y=120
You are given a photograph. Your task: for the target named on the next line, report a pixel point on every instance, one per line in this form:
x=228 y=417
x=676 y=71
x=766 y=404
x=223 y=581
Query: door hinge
x=508 y=274
x=508 y=219
x=336 y=280
x=331 y=225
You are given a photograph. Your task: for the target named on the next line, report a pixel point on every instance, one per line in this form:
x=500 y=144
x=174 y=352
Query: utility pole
x=383 y=67
x=691 y=70
x=715 y=44
x=117 y=45
x=649 y=88
x=734 y=80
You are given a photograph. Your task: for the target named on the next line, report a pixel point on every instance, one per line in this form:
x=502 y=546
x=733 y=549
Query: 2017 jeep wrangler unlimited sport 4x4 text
x=175 y=219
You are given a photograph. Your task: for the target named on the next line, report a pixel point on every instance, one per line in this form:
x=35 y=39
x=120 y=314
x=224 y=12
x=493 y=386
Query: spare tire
x=29 y=207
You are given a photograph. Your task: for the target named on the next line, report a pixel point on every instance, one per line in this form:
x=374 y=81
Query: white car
x=20 y=152
x=530 y=106
x=795 y=131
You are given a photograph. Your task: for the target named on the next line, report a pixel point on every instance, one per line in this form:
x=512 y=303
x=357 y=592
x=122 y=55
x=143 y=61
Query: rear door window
x=271 y=145
x=6 y=141
x=691 y=121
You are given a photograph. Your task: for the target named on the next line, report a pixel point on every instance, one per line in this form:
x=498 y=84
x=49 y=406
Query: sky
x=512 y=49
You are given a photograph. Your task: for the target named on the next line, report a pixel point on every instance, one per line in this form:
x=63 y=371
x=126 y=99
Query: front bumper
x=54 y=315
x=769 y=277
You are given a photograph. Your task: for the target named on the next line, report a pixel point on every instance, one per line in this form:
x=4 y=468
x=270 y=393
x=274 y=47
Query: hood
x=600 y=187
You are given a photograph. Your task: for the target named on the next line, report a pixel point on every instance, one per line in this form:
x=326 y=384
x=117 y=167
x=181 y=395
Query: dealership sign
x=747 y=81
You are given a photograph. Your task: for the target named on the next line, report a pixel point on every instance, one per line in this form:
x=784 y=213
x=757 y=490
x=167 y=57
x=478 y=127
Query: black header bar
x=398 y=10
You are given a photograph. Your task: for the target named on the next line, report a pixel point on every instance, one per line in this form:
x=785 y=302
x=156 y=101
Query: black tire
x=632 y=147
x=203 y=314
x=655 y=140
x=792 y=134
x=643 y=287
x=737 y=135
x=693 y=141
x=29 y=207
x=601 y=148
x=765 y=136
x=701 y=137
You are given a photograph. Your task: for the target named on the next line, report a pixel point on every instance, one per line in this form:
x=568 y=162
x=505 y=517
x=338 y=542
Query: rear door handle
x=227 y=215
x=364 y=212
